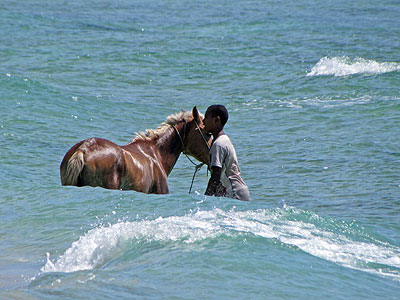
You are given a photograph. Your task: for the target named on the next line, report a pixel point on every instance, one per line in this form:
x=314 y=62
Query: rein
x=197 y=166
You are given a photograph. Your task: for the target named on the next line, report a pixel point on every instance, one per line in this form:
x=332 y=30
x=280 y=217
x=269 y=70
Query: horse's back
x=89 y=147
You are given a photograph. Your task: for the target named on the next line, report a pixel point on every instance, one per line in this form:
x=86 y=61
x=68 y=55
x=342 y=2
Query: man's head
x=215 y=118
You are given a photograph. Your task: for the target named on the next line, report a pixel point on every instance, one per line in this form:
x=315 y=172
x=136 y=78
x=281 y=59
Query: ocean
x=312 y=88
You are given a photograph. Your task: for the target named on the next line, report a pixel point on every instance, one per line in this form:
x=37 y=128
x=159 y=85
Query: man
x=225 y=173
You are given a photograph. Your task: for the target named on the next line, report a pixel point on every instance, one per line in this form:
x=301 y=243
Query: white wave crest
x=344 y=66
x=99 y=245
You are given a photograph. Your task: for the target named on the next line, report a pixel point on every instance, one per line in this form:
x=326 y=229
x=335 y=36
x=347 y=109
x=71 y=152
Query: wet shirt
x=223 y=155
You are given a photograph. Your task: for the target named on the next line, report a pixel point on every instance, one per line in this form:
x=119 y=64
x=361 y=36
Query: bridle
x=197 y=166
x=184 y=135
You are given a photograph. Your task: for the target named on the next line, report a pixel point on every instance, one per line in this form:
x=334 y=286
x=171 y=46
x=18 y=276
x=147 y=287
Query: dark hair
x=220 y=111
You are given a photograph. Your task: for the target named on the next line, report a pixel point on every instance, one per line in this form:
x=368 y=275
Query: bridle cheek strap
x=197 y=166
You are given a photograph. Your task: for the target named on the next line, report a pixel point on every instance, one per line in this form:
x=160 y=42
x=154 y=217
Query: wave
x=344 y=66
x=325 y=102
x=333 y=241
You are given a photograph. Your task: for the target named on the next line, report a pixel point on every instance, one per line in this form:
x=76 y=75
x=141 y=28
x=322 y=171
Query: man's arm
x=214 y=181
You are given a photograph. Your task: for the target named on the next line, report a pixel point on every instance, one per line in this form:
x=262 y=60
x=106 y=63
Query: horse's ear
x=196 y=114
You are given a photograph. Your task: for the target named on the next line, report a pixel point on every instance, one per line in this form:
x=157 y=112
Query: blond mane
x=171 y=120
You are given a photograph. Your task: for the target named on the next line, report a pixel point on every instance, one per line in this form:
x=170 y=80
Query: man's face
x=209 y=122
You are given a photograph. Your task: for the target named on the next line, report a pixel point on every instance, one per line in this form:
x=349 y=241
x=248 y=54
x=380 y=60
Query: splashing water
x=100 y=245
x=344 y=66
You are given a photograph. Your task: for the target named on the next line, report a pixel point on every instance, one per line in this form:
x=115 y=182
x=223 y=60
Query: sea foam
x=290 y=226
x=344 y=66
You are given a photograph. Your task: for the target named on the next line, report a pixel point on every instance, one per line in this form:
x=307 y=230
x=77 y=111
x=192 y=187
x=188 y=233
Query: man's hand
x=214 y=185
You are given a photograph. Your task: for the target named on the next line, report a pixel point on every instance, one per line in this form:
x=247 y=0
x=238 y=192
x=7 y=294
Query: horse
x=143 y=164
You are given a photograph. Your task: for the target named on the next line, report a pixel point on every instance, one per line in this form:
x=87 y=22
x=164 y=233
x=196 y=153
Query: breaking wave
x=340 y=243
x=344 y=66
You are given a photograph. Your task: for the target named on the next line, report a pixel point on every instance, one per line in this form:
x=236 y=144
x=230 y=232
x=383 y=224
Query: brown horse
x=142 y=165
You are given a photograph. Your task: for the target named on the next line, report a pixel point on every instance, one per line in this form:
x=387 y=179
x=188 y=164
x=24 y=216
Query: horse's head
x=197 y=141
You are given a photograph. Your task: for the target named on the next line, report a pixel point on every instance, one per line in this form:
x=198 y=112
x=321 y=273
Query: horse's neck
x=165 y=148
x=170 y=147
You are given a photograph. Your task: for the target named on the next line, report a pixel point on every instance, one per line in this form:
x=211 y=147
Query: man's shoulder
x=223 y=143
x=223 y=140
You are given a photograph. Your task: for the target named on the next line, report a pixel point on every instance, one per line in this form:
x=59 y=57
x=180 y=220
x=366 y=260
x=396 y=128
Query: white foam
x=100 y=245
x=344 y=66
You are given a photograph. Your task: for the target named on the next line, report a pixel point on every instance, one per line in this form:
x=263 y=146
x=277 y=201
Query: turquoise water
x=312 y=88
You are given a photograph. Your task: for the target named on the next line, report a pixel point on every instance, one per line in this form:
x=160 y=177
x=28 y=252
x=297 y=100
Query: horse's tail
x=70 y=173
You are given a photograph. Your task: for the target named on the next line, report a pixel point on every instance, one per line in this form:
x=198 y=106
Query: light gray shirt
x=223 y=155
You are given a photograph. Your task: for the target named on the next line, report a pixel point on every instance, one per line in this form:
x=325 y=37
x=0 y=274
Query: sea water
x=312 y=88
